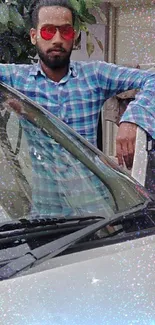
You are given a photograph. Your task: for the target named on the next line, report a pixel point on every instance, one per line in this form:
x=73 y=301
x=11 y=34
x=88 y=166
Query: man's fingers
x=119 y=153
x=125 y=144
x=15 y=104
x=131 y=151
x=128 y=161
x=124 y=155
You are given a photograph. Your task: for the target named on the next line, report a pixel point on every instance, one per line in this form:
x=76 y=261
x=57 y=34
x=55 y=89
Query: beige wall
x=135 y=38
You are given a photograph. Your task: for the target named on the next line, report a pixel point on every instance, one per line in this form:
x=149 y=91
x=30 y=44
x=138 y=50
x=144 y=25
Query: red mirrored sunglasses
x=66 y=31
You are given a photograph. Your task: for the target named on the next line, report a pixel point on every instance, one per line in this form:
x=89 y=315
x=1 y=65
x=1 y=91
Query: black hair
x=36 y=5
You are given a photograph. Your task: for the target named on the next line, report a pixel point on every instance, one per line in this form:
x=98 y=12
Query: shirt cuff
x=140 y=117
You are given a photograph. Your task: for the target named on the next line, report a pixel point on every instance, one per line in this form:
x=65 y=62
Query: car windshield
x=46 y=169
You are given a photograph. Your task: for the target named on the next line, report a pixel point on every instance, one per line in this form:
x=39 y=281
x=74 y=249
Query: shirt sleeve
x=114 y=79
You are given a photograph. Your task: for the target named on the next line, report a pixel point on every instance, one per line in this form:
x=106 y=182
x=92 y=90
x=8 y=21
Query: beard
x=57 y=61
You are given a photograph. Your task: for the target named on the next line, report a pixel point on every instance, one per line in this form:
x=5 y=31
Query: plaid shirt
x=78 y=98
x=61 y=185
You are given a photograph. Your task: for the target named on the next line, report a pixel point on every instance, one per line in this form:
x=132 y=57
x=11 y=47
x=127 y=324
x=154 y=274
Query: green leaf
x=89 y=44
x=15 y=30
x=89 y=19
x=83 y=27
x=6 y=55
x=84 y=13
x=27 y=24
x=90 y=48
x=83 y=8
x=15 y=17
x=12 y=2
x=4 y=13
x=17 y=47
x=77 y=26
x=75 y=4
x=99 y=43
x=92 y=3
x=3 y=28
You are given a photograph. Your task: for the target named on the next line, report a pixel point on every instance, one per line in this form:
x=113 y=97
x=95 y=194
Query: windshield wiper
x=33 y=230
x=50 y=250
x=11 y=253
x=28 y=223
x=54 y=248
x=43 y=221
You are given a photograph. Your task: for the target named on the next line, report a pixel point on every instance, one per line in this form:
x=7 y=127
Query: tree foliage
x=15 y=45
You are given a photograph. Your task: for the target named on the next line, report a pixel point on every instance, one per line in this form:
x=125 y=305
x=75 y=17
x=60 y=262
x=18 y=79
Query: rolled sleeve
x=114 y=79
x=141 y=111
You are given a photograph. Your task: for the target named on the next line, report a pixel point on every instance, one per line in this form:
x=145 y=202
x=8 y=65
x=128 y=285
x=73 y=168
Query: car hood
x=113 y=285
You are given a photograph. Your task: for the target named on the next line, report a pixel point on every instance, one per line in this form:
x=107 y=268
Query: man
x=76 y=91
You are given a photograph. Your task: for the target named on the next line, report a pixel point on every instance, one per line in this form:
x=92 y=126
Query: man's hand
x=15 y=104
x=125 y=143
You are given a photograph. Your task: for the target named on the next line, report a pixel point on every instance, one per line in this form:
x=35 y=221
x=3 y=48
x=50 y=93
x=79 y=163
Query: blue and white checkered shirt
x=78 y=98
x=61 y=185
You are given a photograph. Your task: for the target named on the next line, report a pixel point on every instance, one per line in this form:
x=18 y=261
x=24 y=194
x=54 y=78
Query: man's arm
x=140 y=111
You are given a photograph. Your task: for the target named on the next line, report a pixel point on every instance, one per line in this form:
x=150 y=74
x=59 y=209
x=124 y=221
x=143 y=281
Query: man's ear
x=77 y=37
x=33 y=36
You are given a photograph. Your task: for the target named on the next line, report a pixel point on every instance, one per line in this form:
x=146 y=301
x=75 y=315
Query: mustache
x=61 y=49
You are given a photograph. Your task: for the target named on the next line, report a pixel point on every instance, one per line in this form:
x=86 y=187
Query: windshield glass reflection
x=40 y=177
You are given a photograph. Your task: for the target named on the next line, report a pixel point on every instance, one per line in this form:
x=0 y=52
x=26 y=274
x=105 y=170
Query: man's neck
x=56 y=74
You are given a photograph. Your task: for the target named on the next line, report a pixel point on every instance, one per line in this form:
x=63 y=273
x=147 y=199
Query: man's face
x=54 y=53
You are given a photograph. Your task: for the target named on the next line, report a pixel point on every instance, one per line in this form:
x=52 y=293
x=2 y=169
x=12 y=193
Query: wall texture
x=135 y=39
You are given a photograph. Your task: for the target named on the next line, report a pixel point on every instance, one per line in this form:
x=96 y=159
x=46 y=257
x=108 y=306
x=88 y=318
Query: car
x=77 y=232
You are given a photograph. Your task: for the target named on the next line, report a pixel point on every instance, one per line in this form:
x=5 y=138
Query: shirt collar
x=73 y=69
x=36 y=69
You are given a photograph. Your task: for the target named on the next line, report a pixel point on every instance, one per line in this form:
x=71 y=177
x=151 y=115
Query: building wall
x=135 y=38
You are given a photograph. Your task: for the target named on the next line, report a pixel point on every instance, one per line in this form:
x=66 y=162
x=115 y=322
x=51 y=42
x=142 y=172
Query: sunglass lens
x=67 y=33
x=47 y=32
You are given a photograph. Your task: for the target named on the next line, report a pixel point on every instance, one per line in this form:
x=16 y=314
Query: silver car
x=77 y=234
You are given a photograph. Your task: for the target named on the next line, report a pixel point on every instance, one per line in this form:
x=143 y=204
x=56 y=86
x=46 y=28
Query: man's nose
x=57 y=38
